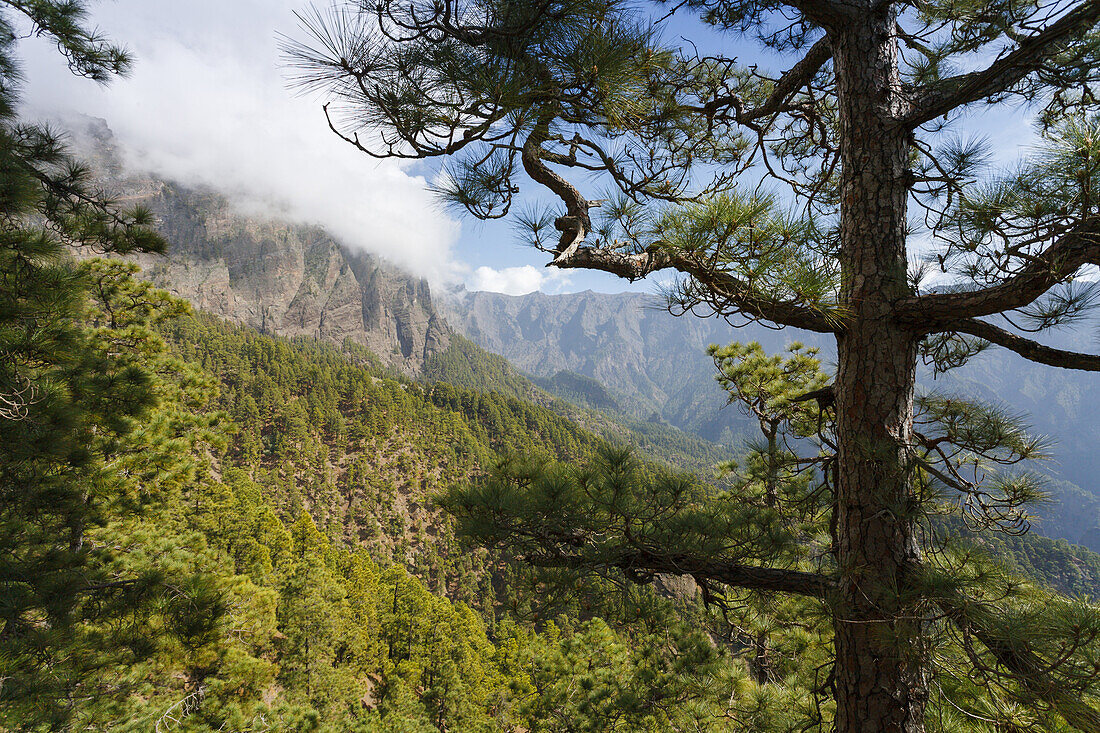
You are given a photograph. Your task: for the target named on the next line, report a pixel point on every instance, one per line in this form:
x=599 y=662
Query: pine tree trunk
x=760 y=665
x=880 y=667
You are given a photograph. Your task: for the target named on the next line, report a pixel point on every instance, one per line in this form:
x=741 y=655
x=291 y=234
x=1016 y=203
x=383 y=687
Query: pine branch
x=826 y=397
x=1024 y=665
x=1030 y=350
x=1029 y=56
x=790 y=82
x=576 y=225
x=734 y=293
x=938 y=312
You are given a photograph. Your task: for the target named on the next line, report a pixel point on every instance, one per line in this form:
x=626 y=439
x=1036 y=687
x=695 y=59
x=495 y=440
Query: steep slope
x=580 y=390
x=326 y=457
x=580 y=400
x=287 y=531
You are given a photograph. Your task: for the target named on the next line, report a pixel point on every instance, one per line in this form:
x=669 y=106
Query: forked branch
x=1029 y=56
x=938 y=312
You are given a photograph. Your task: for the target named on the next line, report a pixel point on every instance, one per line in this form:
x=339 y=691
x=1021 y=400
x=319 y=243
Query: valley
x=782 y=420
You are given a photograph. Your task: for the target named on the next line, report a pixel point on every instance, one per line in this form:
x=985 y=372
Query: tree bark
x=880 y=674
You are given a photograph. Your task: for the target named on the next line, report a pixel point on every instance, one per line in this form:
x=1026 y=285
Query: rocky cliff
x=279 y=277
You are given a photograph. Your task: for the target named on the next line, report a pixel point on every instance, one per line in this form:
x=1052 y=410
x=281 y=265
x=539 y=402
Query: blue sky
x=207 y=103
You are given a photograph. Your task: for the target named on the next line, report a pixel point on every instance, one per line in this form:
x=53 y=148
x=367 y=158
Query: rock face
x=290 y=280
x=280 y=278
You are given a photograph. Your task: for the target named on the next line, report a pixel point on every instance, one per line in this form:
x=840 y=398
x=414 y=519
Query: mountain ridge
x=624 y=340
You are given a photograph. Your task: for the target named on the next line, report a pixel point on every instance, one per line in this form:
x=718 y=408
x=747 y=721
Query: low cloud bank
x=207 y=104
x=518 y=280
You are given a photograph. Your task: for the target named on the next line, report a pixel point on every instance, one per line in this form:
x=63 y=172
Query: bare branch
x=1031 y=53
x=576 y=224
x=734 y=293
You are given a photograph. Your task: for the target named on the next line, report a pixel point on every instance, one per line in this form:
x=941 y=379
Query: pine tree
x=72 y=396
x=1035 y=652
x=858 y=139
x=91 y=590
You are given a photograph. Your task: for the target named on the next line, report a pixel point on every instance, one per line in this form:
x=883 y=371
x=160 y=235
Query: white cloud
x=207 y=103
x=517 y=280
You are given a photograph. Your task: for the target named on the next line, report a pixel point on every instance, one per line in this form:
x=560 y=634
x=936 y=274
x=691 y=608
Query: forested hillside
x=285 y=489
x=580 y=400
x=327 y=430
x=287 y=486
x=362 y=450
